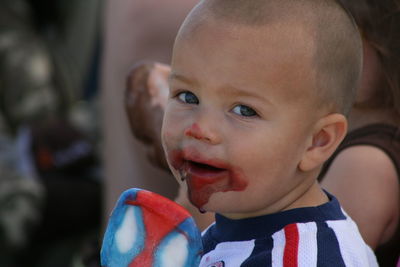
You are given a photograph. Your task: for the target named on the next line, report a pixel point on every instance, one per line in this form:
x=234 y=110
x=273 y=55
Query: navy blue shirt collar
x=226 y=229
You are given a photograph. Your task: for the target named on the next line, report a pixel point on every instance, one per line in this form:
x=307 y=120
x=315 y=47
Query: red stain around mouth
x=202 y=184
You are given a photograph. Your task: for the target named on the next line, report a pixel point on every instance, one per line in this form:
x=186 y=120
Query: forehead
x=277 y=55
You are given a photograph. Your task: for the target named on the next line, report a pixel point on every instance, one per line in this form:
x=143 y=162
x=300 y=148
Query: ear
x=328 y=133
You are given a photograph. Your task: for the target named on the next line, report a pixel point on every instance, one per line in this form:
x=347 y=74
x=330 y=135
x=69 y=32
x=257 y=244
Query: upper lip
x=197 y=158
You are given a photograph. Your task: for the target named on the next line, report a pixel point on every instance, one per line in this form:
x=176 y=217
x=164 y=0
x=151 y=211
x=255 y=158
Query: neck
x=313 y=196
x=301 y=197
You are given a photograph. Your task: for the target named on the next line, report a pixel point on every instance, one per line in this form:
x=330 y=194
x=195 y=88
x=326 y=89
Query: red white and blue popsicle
x=149 y=230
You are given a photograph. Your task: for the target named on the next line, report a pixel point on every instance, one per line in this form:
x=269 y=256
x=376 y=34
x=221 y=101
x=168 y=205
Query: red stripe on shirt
x=291 y=246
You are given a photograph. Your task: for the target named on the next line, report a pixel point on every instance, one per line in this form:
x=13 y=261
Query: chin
x=222 y=209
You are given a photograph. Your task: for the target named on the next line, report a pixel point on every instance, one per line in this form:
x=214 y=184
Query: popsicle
x=148 y=230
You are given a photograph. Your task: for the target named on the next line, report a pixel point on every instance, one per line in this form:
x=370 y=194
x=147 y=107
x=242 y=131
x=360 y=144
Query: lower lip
x=203 y=183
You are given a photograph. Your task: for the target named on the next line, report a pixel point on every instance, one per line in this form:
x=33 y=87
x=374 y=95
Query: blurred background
x=66 y=149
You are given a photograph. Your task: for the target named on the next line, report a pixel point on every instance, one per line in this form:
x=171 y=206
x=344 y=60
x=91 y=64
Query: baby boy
x=259 y=92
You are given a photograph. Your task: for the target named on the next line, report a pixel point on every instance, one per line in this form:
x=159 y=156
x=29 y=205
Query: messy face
x=239 y=116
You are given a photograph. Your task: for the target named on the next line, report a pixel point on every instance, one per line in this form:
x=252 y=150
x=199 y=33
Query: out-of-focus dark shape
x=50 y=182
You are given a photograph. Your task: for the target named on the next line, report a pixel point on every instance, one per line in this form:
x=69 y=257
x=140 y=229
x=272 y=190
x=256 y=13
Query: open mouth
x=191 y=164
x=205 y=175
x=204 y=170
x=204 y=166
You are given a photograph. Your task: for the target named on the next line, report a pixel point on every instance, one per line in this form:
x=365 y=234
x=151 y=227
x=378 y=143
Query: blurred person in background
x=50 y=183
x=364 y=172
x=134 y=31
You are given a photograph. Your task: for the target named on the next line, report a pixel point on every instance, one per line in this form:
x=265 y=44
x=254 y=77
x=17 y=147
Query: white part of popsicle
x=126 y=234
x=175 y=252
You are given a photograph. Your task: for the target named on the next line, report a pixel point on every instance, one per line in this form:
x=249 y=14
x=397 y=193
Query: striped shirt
x=313 y=236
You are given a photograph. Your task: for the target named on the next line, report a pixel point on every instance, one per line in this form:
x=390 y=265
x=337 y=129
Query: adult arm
x=365 y=181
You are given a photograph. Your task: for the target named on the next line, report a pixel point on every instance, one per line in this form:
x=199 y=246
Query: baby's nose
x=203 y=132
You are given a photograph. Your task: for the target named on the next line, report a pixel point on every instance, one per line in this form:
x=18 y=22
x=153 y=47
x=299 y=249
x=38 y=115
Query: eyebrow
x=181 y=78
x=237 y=92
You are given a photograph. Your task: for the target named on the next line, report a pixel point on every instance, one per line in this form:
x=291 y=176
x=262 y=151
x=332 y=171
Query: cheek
x=175 y=121
x=260 y=158
x=248 y=157
x=169 y=143
x=171 y=132
x=167 y=139
x=169 y=127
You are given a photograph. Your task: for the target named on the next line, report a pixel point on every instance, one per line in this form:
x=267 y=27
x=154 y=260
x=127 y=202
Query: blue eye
x=188 y=97
x=244 y=111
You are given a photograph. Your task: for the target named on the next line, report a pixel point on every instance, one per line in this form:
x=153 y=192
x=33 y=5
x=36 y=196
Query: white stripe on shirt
x=278 y=248
x=308 y=249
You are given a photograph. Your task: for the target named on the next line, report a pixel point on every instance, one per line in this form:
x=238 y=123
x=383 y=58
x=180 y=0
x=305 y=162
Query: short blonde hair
x=338 y=54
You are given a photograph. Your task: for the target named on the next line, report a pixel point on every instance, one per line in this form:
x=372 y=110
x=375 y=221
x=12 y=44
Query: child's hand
x=145 y=98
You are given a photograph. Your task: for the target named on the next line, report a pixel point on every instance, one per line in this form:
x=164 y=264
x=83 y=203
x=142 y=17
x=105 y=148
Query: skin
x=355 y=167
x=279 y=150
x=367 y=168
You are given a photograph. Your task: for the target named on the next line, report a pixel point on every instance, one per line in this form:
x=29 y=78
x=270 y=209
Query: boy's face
x=239 y=116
